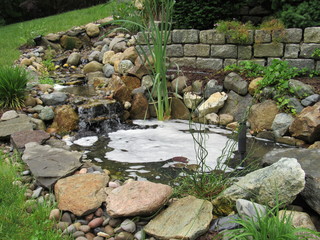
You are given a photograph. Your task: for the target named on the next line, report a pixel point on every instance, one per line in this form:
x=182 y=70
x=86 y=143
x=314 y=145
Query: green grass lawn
x=14 y=35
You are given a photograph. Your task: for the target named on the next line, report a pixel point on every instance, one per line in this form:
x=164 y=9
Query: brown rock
x=253 y=86
x=26 y=62
x=30 y=101
x=130 y=54
x=96 y=222
x=131 y=82
x=54 y=214
x=107 y=57
x=262 y=115
x=225 y=119
x=70 y=43
x=65 y=119
x=82 y=193
x=93 y=66
x=316 y=145
x=179 y=110
x=92 y=29
x=122 y=94
x=139 y=107
x=306 y=125
x=139 y=71
x=20 y=139
x=137 y=198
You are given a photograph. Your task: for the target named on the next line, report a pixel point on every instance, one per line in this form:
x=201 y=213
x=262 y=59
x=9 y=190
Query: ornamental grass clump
x=13 y=82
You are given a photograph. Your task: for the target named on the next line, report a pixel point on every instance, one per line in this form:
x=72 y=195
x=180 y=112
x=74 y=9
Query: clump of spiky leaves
x=13 y=82
x=271 y=225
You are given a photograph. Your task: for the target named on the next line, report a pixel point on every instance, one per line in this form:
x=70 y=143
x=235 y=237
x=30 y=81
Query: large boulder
x=137 y=198
x=310 y=162
x=81 y=194
x=69 y=43
x=212 y=104
x=65 y=119
x=49 y=164
x=262 y=115
x=234 y=82
x=301 y=90
x=306 y=125
x=186 y=218
x=278 y=183
x=17 y=124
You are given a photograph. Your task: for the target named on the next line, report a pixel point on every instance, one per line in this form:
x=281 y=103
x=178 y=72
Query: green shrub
x=13 y=82
x=235 y=30
x=202 y=14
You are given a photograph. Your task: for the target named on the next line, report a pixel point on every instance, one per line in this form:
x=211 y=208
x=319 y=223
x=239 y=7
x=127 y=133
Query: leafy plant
x=13 y=82
x=235 y=30
x=267 y=226
x=248 y=68
x=316 y=53
x=46 y=80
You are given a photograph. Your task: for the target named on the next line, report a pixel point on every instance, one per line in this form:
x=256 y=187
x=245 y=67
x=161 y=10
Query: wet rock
x=54 y=98
x=282 y=181
x=8 y=115
x=21 y=123
x=178 y=84
x=191 y=100
x=46 y=114
x=92 y=29
x=262 y=115
x=93 y=66
x=212 y=104
x=139 y=107
x=281 y=124
x=179 y=110
x=74 y=59
x=69 y=43
x=20 y=139
x=234 y=82
x=299 y=219
x=212 y=87
x=301 y=90
x=48 y=164
x=306 y=125
x=312 y=99
x=81 y=193
x=309 y=160
x=137 y=198
x=65 y=119
x=187 y=218
x=236 y=105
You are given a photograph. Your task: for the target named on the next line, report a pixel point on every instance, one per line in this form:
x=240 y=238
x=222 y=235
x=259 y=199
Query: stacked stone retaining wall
x=209 y=49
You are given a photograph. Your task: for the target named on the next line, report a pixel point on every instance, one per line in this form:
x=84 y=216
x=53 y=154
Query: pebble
x=82 y=222
x=98 y=238
x=97 y=230
x=89 y=217
x=90 y=236
x=78 y=234
x=77 y=225
x=62 y=225
x=95 y=222
x=114 y=222
x=128 y=226
x=138 y=235
x=54 y=214
x=106 y=222
x=26 y=173
x=124 y=236
x=41 y=200
x=108 y=229
x=103 y=234
x=83 y=170
x=36 y=193
x=66 y=217
x=113 y=184
x=69 y=230
x=99 y=212
x=81 y=238
x=84 y=228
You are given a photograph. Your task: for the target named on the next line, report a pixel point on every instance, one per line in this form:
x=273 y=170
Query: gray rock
x=21 y=123
x=301 y=63
x=236 y=105
x=301 y=90
x=209 y=63
x=291 y=35
x=36 y=193
x=224 y=51
x=69 y=230
x=291 y=50
x=197 y=86
x=185 y=36
x=104 y=49
x=179 y=84
x=244 y=52
x=8 y=115
x=74 y=59
x=312 y=99
x=138 y=90
x=281 y=124
x=212 y=87
x=39 y=124
x=175 y=50
x=46 y=114
x=187 y=218
x=234 y=82
x=212 y=36
x=108 y=70
x=54 y=98
x=94 y=56
x=124 y=66
x=48 y=164
x=128 y=226
x=278 y=183
x=295 y=104
x=307 y=49
x=309 y=160
x=114 y=44
x=312 y=35
x=224 y=223
x=250 y=209
x=268 y=50
x=37 y=108
x=196 y=50
x=262 y=36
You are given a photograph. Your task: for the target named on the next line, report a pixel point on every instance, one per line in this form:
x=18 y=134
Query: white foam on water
x=98 y=160
x=168 y=140
x=58 y=86
x=86 y=141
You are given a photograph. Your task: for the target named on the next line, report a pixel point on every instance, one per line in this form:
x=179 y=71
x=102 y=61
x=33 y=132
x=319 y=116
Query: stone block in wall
x=185 y=36
x=318 y=66
x=224 y=51
x=268 y=50
x=144 y=38
x=261 y=62
x=229 y=61
x=250 y=39
x=143 y=49
x=209 y=63
x=196 y=50
x=312 y=35
x=262 y=36
x=175 y=50
x=302 y=63
x=244 y=52
x=289 y=35
x=212 y=37
x=183 y=62
x=307 y=49
x=291 y=50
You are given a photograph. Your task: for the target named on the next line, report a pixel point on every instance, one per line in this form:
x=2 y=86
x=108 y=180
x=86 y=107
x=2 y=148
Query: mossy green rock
x=70 y=43
x=187 y=218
